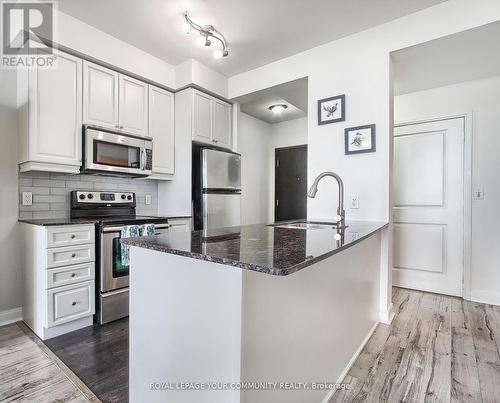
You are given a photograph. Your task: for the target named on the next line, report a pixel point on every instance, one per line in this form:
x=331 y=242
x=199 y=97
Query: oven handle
x=107 y=230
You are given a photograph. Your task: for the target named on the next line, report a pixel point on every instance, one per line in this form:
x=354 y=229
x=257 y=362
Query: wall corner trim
x=11 y=316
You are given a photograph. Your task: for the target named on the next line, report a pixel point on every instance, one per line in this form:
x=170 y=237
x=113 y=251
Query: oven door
x=113 y=273
x=116 y=153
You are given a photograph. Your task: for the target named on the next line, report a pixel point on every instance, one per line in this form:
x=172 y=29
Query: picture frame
x=360 y=139
x=331 y=110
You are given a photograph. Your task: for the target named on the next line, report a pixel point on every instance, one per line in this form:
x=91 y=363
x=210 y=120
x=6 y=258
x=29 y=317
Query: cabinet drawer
x=70 y=255
x=70 y=235
x=70 y=274
x=68 y=303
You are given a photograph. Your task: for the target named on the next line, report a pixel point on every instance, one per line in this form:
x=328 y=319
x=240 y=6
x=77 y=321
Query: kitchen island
x=267 y=313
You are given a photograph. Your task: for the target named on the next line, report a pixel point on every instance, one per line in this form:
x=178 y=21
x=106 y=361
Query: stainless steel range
x=112 y=211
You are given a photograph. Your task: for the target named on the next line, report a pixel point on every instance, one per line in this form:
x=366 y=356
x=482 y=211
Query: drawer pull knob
x=73 y=303
x=73 y=236
x=73 y=255
x=73 y=274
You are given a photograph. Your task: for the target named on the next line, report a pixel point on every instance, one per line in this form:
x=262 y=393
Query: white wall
x=359 y=66
x=86 y=39
x=481 y=98
x=254 y=145
x=193 y=72
x=10 y=267
x=257 y=141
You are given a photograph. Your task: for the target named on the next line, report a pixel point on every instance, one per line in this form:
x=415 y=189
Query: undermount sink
x=307 y=225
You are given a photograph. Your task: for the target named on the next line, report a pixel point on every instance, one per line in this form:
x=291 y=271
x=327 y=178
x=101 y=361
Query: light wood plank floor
x=28 y=373
x=437 y=349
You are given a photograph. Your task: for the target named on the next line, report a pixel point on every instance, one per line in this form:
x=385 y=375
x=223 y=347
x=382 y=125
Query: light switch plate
x=478 y=194
x=27 y=199
x=354 y=203
x=148 y=199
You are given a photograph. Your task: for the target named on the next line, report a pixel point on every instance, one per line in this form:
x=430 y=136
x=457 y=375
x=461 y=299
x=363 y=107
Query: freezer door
x=221 y=210
x=221 y=170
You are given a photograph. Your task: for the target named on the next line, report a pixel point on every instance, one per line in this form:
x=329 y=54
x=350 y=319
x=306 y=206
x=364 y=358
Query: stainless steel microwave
x=115 y=153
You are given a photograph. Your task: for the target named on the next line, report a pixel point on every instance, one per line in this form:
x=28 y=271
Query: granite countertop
x=45 y=222
x=261 y=247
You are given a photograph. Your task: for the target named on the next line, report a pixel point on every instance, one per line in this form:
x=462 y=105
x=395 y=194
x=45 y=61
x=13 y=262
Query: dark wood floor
x=437 y=349
x=98 y=355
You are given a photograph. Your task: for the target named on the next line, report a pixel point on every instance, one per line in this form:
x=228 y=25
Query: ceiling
x=258 y=31
x=292 y=94
x=465 y=56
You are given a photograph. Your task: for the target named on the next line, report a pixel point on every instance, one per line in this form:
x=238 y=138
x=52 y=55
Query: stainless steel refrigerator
x=216 y=188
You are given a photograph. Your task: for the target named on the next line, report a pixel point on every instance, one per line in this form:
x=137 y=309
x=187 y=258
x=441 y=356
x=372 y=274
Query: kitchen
x=210 y=165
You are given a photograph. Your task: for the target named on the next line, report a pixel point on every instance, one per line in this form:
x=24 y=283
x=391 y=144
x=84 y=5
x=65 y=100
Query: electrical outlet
x=27 y=198
x=148 y=199
x=479 y=194
x=354 y=204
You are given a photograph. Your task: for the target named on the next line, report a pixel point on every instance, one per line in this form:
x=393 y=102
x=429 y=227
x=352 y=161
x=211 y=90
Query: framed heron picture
x=360 y=139
x=331 y=110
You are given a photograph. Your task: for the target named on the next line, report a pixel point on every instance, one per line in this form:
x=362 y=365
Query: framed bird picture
x=360 y=139
x=331 y=110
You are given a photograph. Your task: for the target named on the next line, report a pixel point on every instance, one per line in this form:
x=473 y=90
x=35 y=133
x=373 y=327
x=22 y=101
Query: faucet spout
x=314 y=189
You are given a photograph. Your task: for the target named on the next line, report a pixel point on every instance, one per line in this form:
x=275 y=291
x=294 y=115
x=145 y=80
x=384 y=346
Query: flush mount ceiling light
x=207 y=33
x=278 y=108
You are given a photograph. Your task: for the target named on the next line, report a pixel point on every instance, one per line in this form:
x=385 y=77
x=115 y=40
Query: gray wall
x=51 y=192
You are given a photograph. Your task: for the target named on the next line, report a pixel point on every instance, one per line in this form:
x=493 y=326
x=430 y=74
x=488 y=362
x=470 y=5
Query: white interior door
x=428 y=210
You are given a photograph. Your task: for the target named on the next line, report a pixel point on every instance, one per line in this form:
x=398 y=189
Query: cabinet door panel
x=56 y=105
x=100 y=96
x=161 y=129
x=222 y=124
x=202 y=117
x=133 y=113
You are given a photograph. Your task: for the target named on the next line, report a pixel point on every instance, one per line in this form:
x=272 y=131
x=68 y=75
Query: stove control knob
x=129 y=197
x=90 y=196
x=124 y=197
x=81 y=197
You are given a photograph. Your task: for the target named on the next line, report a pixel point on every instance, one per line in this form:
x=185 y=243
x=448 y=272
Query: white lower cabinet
x=58 y=282
x=71 y=302
x=179 y=224
x=70 y=274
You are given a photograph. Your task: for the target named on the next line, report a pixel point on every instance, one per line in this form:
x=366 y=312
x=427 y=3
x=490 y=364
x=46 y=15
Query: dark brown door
x=290 y=186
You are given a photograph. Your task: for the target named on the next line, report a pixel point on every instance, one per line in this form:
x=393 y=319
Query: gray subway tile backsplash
x=51 y=192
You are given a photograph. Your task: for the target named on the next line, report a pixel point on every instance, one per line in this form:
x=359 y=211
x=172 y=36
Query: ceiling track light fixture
x=207 y=34
x=278 y=108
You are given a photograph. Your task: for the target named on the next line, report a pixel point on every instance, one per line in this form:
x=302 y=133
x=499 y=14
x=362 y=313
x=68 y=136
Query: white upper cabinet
x=202 y=119
x=51 y=116
x=211 y=120
x=114 y=101
x=100 y=96
x=133 y=110
x=161 y=129
x=221 y=131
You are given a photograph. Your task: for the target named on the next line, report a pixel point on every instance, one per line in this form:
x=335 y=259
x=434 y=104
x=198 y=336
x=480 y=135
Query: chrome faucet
x=314 y=189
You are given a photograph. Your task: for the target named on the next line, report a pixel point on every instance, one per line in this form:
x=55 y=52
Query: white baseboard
x=11 y=316
x=485 y=297
x=351 y=362
x=387 y=316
